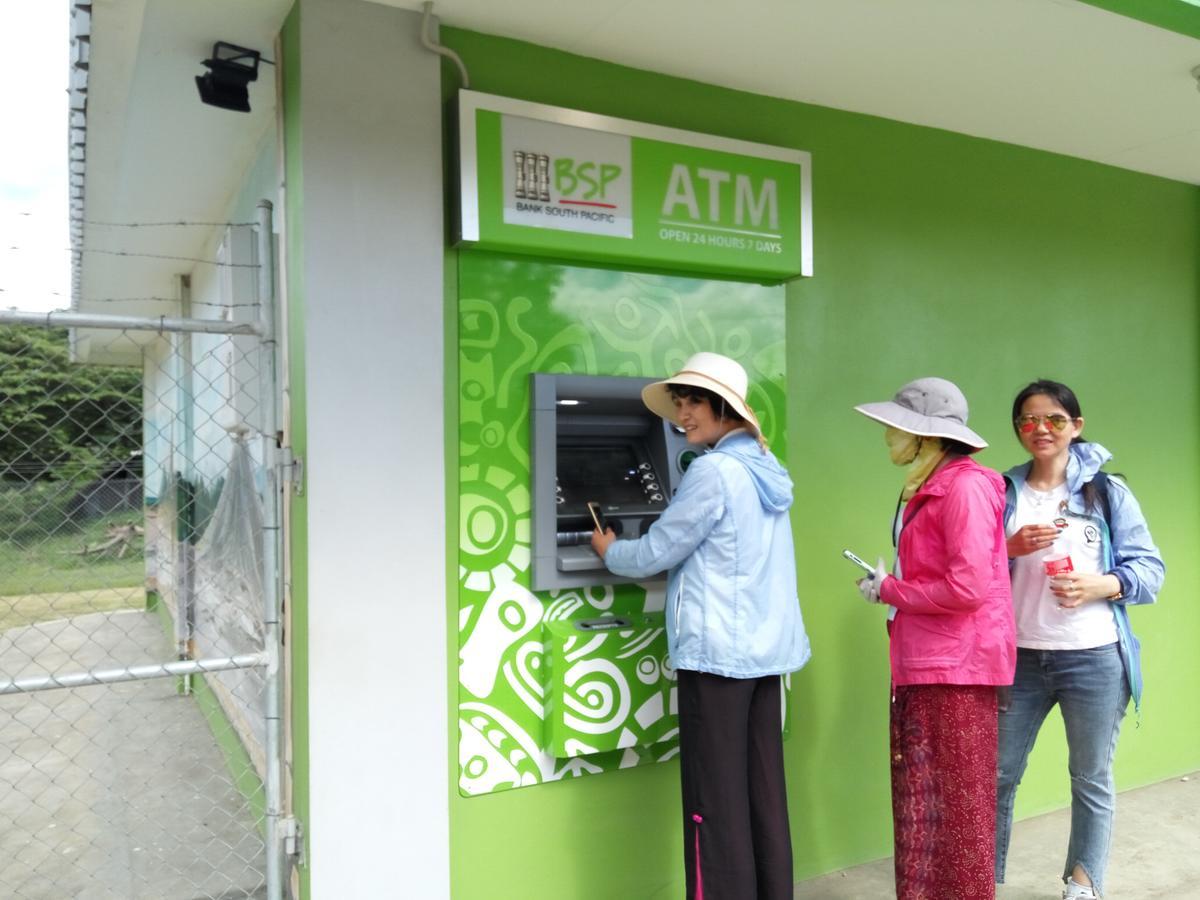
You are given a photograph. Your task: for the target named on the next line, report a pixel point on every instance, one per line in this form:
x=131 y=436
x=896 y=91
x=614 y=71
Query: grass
x=50 y=579
x=28 y=609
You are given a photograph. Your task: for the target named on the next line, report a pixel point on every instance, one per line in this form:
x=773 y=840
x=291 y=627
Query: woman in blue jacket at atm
x=733 y=628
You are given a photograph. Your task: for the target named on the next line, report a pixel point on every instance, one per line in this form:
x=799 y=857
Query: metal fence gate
x=140 y=548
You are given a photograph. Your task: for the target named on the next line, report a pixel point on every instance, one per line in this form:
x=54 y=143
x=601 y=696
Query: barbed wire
x=132 y=253
x=61 y=468
x=181 y=223
x=90 y=300
x=169 y=224
x=86 y=300
x=195 y=259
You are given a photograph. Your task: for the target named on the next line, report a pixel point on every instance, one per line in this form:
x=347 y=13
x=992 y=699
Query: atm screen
x=608 y=473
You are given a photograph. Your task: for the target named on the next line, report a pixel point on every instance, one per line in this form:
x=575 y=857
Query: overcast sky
x=34 y=235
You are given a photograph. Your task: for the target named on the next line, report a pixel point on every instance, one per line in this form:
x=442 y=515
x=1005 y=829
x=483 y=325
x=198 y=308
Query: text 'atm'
x=593 y=440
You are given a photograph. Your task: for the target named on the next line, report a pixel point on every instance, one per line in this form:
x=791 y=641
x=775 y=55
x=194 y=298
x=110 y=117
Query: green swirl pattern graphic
x=610 y=703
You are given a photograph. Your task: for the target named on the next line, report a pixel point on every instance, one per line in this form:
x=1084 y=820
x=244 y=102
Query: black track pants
x=737 y=845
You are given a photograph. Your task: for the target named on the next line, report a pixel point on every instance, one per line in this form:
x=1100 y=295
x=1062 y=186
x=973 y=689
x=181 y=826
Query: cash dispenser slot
x=604 y=623
x=594 y=441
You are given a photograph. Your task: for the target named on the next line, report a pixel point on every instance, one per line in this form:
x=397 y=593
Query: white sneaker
x=1077 y=891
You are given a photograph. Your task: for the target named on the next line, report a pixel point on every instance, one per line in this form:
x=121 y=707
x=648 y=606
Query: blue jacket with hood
x=731 y=603
x=1129 y=551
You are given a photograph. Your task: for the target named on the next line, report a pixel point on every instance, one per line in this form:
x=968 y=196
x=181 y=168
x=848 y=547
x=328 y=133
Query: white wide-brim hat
x=723 y=376
x=928 y=407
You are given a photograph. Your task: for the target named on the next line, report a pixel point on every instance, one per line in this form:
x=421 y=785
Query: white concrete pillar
x=372 y=255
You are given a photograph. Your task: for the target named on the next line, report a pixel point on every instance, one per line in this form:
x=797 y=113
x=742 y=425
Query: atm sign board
x=562 y=183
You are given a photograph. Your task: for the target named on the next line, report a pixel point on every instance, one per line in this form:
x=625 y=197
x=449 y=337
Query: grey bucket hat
x=929 y=407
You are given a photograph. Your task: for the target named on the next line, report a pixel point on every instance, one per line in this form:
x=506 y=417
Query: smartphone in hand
x=860 y=562
x=597 y=515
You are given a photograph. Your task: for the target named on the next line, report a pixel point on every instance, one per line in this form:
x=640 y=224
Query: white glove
x=870 y=586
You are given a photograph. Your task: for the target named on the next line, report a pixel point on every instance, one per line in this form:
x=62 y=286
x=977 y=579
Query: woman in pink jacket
x=952 y=643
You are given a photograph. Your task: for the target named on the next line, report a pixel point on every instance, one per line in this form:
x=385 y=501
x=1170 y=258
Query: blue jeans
x=1092 y=692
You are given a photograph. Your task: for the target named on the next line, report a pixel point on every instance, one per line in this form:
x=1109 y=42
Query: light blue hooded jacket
x=1129 y=551
x=731 y=605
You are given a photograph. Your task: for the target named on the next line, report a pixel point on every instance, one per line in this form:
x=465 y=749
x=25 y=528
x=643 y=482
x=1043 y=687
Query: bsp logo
x=533 y=175
x=584 y=179
x=578 y=180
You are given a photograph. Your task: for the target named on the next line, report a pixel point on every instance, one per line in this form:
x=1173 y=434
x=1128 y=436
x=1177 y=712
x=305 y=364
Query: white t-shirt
x=1041 y=623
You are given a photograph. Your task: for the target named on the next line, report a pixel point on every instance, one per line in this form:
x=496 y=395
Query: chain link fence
x=138 y=757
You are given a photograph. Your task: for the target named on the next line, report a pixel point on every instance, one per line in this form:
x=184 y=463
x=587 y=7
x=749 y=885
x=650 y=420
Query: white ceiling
x=1058 y=75
x=154 y=152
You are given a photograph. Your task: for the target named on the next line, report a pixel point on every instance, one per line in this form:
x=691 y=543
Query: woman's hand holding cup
x=1077 y=588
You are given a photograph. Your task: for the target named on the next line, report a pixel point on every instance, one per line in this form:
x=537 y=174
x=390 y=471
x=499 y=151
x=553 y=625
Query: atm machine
x=594 y=440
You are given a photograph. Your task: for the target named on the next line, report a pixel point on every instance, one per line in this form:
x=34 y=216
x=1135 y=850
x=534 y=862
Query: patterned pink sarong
x=944 y=791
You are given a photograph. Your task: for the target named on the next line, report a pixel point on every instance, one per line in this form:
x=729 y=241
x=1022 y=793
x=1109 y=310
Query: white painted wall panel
x=372 y=258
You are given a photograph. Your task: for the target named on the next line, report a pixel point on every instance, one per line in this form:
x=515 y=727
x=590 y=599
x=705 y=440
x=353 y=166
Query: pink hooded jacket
x=955 y=620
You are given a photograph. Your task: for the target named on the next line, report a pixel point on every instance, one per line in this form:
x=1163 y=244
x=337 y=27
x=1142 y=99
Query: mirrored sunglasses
x=1056 y=422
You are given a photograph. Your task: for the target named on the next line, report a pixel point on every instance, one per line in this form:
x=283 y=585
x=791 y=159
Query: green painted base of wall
x=238 y=764
x=242 y=774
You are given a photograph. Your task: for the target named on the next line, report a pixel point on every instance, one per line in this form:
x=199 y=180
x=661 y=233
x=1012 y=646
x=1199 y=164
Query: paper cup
x=1058 y=565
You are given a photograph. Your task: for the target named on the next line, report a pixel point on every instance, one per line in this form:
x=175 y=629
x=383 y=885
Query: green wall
x=1180 y=16
x=935 y=253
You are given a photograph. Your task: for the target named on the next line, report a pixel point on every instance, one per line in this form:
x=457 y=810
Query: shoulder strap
x=1100 y=480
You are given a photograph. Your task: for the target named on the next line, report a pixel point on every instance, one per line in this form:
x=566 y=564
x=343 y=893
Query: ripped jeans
x=1092 y=692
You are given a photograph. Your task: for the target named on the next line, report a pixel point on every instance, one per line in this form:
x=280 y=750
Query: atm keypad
x=650 y=485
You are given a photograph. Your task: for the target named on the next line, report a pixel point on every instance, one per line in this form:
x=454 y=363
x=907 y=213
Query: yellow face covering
x=902 y=446
x=921 y=455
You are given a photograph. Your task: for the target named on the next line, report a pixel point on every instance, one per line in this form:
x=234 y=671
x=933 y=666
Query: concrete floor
x=114 y=792
x=1155 y=854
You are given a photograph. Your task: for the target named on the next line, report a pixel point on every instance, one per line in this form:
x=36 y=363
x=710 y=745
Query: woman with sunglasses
x=1074 y=645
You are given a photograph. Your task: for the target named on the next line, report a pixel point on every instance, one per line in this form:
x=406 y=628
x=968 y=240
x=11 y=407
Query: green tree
x=60 y=420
